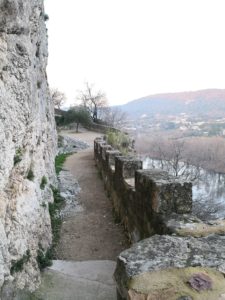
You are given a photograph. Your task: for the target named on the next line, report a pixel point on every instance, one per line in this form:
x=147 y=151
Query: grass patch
x=59 y=161
x=44 y=259
x=54 y=209
x=56 y=221
x=30 y=175
x=43 y=183
x=17 y=266
x=18 y=156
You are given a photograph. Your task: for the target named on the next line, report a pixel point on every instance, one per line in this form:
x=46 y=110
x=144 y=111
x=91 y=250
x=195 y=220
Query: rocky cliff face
x=27 y=143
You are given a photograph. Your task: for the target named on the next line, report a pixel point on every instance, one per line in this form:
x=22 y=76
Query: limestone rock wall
x=27 y=142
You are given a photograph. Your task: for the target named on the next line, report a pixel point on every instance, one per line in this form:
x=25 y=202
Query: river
x=208 y=188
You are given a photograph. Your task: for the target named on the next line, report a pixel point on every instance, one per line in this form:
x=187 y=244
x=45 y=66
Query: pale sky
x=133 y=48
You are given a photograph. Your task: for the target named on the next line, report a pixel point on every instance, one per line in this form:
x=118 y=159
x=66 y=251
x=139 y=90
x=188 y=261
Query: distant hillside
x=209 y=102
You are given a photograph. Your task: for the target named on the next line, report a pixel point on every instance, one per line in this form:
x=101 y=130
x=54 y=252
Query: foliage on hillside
x=199 y=103
x=78 y=115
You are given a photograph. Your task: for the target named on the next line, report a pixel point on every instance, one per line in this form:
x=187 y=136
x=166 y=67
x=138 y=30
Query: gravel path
x=90 y=233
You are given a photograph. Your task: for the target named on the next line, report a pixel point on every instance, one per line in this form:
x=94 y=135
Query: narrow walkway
x=92 y=234
x=90 y=240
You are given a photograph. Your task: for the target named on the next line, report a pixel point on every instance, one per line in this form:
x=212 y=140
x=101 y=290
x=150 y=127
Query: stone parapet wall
x=178 y=256
x=142 y=199
x=101 y=128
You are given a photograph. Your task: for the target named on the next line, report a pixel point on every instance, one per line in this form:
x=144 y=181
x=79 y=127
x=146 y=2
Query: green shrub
x=118 y=140
x=44 y=259
x=46 y=17
x=18 y=156
x=56 y=221
x=17 y=266
x=30 y=175
x=43 y=204
x=38 y=84
x=44 y=181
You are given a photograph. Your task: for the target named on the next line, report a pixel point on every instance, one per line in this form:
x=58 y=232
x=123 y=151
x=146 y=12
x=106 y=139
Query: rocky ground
x=68 y=144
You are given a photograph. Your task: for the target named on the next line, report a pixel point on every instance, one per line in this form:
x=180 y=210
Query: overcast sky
x=133 y=48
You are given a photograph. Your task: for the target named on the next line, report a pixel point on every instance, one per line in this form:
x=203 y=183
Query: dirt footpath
x=91 y=234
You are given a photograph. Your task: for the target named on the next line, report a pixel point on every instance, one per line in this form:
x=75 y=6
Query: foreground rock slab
x=173 y=268
x=87 y=280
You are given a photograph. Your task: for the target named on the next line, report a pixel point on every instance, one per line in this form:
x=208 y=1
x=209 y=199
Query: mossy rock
x=173 y=284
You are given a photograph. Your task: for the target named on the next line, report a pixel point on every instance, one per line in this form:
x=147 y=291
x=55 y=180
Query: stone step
x=86 y=280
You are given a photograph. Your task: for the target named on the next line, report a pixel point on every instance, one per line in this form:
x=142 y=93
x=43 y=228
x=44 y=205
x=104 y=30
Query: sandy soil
x=91 y=234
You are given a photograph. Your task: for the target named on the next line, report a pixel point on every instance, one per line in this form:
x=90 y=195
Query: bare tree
x=92 y=100
x=113 y=116
x=205 y=152
x=171 y=157
x=58 y=98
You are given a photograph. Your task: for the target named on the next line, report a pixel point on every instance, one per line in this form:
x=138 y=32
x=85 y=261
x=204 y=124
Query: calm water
x=208 y=188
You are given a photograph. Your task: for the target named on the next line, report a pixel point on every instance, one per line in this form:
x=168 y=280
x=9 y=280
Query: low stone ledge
x=164 y=267
x=190 y=225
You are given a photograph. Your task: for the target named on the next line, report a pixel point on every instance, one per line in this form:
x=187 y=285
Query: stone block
x=96 y=142
x=163 y=267
x=103 y=149
x=163 y=193
x=110 y=157
x=126 y=166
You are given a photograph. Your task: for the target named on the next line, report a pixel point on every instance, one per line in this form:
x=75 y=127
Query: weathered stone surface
x=189 y=225
x=155 y=265
x=163 y=192
x=125 y=166
x=110 y=157
x=69 y=190
x=173 y=284
x=67 y=144
x=27 y=141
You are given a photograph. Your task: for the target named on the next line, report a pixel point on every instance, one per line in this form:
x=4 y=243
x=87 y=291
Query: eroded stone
x=200 y=282
x=189 y=225
x=164 y=264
